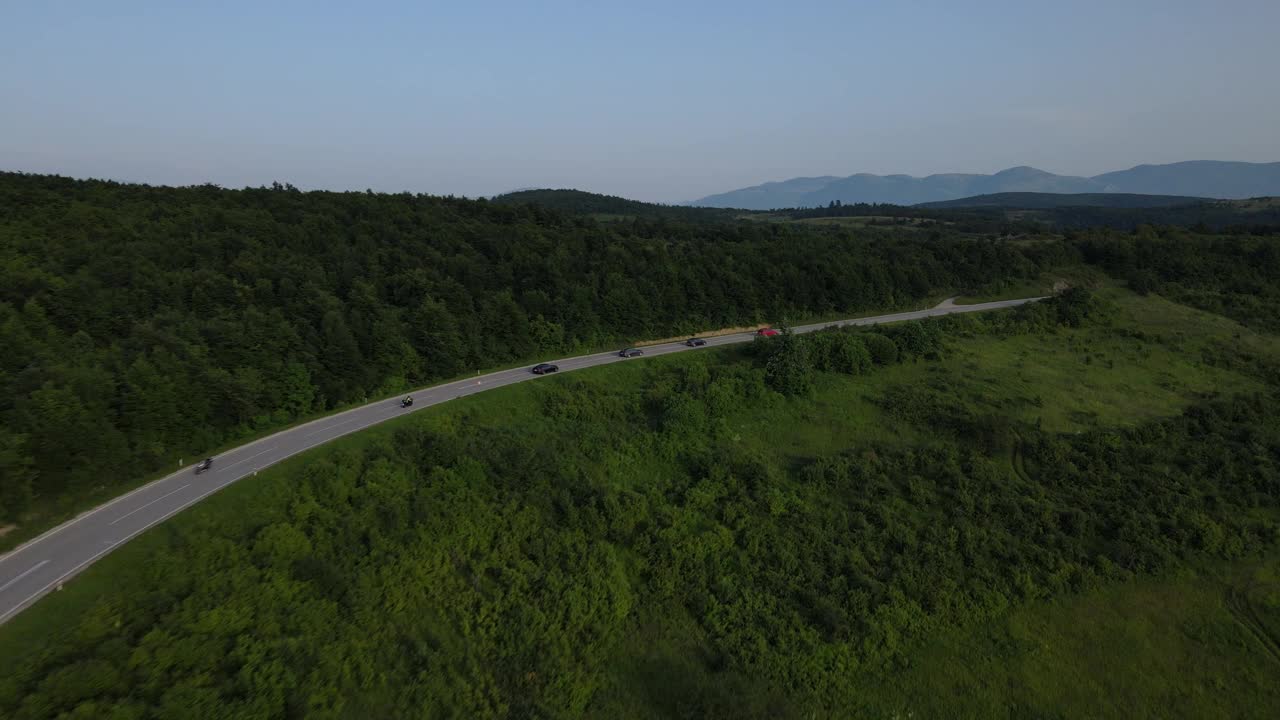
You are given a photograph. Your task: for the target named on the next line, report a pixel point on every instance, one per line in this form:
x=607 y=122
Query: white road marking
x=34 y=568
x=330 y=427
x=264 y=452
x=58 y=582
x=83 y=515
x=153 y=502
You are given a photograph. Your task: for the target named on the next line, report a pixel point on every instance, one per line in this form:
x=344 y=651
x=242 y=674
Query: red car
x=766 y=332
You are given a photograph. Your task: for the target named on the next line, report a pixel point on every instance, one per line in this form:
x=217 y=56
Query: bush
x=1075 y=305
x=850 y=355
x=883 y=351
x=1144 y=281
x=788 y=368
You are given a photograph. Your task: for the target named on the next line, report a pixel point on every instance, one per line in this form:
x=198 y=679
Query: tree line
x=1233 y=275
x=1019 y=217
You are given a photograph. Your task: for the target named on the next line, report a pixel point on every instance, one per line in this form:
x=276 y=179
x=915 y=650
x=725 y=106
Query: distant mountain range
x=1039 y=201
x=1193 y=179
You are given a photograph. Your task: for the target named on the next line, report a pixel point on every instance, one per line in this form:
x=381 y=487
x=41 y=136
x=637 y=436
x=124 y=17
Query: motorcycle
x=406 y=402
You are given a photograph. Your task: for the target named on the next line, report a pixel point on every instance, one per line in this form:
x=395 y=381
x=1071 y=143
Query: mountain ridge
x=1214 y=179
x=1033 y=200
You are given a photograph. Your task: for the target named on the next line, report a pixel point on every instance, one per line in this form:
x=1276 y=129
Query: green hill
x=578 y=202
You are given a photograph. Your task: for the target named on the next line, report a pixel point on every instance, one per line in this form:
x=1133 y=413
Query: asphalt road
x=43 y=564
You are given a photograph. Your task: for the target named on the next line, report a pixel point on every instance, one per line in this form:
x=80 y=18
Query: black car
x=631 y=352
x=203 y=465
x=695 y=342
x=544 y=368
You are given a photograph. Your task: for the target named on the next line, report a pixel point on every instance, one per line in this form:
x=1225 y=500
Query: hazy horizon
x=660 y=102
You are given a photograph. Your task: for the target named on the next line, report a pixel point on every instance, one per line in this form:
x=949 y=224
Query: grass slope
x=1201 y=645
x=1117 y=651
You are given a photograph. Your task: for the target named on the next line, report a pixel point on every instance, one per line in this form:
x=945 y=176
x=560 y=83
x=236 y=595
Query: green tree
x=152 y=410
x=787 y=367
x=68 y=440
x=437 y=340
x=1144 y=281
x=339 y=358
x=17 y=475
x=850 y=354
x=883 y=351
x=1074 y=306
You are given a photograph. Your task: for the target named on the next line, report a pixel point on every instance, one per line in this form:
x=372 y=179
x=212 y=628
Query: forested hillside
x=140 y=325
x=770 y=532
x=578 y=202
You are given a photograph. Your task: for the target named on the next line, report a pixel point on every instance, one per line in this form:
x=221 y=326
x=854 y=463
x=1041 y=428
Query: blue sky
x=663 y=101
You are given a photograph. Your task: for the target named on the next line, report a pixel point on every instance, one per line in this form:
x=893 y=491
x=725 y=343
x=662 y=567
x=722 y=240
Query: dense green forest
x=140 y=325
x=645 y=540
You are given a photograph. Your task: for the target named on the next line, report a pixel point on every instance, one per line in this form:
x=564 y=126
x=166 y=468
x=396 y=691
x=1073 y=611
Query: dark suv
x=631 y=352
x=544 y=368
x=695 y=342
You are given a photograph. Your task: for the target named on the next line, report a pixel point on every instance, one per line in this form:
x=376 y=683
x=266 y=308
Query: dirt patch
x=6 y=529
x=711 y=333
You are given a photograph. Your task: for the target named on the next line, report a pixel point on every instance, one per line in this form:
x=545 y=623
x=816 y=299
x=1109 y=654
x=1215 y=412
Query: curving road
x=39 y=566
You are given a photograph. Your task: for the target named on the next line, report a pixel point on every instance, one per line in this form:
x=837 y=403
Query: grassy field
x=1196 y=644
x=1069 y=381
x=1200 y=645
x=1203 y=645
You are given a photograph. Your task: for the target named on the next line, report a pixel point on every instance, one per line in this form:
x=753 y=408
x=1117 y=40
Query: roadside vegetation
x=822 y=525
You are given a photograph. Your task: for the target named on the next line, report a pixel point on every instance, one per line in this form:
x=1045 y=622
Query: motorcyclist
x=407 y=401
